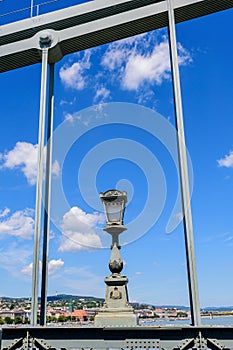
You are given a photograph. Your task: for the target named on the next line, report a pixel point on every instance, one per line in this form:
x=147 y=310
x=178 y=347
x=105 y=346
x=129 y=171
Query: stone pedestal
x=116 y=311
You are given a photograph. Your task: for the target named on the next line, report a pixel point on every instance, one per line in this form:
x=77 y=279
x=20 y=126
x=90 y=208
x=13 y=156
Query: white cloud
x=115 y=56
x=53 y=267
x=27 y=270
x=74 y=75
x=19 y=224
x=151 y=68
x=101 y=94
x=70 y=103
x=69 y=117
x=137 y=64
x=4 y=212
x=119 y=52
x=133 y=64
x=78 y=230
x=146 y=95
x=77 y=116
x=229 y=239
x=56 y=168
x=24 y=157
x=227 y=161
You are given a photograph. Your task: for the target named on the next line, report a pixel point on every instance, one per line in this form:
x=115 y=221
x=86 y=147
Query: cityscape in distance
x=65 y=308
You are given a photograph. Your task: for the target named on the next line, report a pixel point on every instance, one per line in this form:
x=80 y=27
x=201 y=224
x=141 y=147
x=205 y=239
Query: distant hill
x=69 y=297
x=208 y=308
x=218 y=308
x=72 y=297
x=54 y=298
x=10 y=299
x=182 y=307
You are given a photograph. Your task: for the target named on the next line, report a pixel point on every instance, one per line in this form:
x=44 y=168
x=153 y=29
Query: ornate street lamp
x=114 y=202
x=116 y=310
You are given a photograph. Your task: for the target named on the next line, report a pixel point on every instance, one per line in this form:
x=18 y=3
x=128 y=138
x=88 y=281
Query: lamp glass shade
x=114 y=212
x=114 y=205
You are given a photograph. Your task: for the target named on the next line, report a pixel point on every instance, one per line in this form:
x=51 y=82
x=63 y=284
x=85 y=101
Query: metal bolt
x=45 y=40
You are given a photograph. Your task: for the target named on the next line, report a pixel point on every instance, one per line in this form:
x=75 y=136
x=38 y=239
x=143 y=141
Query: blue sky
x=114 y=127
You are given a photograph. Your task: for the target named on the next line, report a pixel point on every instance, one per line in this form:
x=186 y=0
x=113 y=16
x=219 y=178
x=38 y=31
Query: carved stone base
x=115 y=319
x=116 y=310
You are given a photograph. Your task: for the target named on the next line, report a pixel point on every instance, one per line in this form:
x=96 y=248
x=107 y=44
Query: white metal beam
x=183 y=173
x=91 y=24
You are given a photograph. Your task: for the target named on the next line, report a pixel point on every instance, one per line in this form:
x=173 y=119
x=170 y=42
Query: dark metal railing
x=170 y=338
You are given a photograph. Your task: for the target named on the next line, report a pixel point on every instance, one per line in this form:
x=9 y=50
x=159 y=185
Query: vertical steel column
x=44 y=276
x=31 y=8
x=184 y=179
x=39 y=185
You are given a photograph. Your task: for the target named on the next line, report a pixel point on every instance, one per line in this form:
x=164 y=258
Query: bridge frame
x=47 y=39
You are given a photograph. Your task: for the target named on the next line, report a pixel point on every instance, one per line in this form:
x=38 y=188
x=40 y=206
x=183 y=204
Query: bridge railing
x=166 y=338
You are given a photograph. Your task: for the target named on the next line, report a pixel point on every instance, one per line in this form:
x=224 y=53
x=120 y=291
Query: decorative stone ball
x=115 y=266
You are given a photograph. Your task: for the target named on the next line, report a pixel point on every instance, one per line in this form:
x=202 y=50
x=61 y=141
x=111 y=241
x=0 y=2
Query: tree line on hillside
x=50 y=319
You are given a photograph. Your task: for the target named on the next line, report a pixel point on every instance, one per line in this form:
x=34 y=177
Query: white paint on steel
x=184 y=178
x=48 y=178
x=40 y=165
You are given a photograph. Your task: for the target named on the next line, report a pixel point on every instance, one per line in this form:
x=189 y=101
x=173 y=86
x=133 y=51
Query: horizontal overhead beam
x=91 y=24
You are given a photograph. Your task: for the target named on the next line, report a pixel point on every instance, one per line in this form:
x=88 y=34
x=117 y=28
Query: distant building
x=78 y=315
x=15 y=313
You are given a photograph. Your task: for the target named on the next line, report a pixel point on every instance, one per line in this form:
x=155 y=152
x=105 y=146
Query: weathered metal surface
x=94 y=23
x=170 y=338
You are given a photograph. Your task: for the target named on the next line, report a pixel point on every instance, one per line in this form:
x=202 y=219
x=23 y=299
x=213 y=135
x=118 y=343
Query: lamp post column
x=116 y=310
